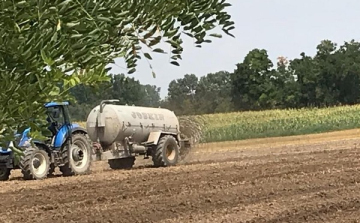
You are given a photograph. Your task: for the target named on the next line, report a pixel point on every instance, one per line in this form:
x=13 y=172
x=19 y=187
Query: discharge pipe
x=103 y=102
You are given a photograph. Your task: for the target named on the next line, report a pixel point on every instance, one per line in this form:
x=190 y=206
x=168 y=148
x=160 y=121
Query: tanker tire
x=27 y=165
x=69 y=168
x=4 y=173
x=160 y=157
x=122 y=163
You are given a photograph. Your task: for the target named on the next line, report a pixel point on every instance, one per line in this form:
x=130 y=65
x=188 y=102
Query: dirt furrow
x=186 y=191
x=283 y=183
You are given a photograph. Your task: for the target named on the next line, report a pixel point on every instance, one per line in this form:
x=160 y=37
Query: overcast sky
x=282 y=27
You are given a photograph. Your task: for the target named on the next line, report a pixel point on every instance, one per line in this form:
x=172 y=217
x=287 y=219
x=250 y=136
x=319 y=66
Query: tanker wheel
x=4 y=173
x=77 y=158
x=122 y=163
x=34 y=164
x=166 y=153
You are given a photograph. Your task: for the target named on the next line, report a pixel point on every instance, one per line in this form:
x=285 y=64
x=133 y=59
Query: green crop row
x=245 y=125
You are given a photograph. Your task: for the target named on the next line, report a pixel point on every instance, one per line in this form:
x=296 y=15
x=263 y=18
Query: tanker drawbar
x=122 y=132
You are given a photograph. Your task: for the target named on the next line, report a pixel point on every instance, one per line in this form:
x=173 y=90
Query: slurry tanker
x=124 y=132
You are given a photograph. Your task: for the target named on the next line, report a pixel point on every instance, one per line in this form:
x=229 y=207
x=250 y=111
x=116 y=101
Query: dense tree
x=43 y=41
x=213 y=93
x=286 y=89
x=181 y=94
x=151 y=96
x=347 y=73
x=330 y=77
x=126 y=90
x=251 y=85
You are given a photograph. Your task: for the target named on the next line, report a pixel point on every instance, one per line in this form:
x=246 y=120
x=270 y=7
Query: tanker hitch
x=135 y=148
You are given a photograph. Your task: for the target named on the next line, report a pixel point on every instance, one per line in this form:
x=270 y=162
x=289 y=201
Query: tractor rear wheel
x=34 y=164
x=77 y=158
x=122 y=163
x=4 y=173
x=167 y=152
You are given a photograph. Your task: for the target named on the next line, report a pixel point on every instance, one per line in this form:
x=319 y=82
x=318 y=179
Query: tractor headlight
x=5 y=148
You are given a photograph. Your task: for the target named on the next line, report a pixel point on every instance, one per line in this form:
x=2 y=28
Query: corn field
x=245 y=125
x=271 y=123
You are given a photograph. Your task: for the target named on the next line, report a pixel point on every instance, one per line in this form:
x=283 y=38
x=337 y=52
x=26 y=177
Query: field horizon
x=235 y=126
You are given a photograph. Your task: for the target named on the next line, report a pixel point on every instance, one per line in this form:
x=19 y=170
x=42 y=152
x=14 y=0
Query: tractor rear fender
x=154 y=137
x=62 y=134
x=43 y=146
x=78 y=130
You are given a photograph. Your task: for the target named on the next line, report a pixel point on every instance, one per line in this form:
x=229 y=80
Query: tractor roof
x=52 y=104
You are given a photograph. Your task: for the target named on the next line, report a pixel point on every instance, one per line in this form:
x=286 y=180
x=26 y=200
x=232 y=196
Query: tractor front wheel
x=34 y=164
x=77 y=158
x=4 y=173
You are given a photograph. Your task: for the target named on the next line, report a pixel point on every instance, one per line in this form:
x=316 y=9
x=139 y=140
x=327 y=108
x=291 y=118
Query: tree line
x=331 y=77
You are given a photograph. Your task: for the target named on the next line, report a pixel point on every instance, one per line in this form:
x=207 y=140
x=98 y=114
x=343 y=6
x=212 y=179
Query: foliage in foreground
x=43 y=41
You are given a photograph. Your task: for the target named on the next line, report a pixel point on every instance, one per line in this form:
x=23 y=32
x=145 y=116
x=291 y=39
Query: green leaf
x=189 y=34
x=158 y=50
x=104 y=19
x=155 y=41
x=48 y=61
x=71 y=24
x=21 y=3
x=175 y=63
x=216 y=35
x=147 y=55
x=17 y=27
x=76 y=36
x=170 y=33
x=151 y=33
x=131 y=70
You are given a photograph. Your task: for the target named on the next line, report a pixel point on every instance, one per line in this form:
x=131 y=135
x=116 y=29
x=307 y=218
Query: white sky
x=282 y=27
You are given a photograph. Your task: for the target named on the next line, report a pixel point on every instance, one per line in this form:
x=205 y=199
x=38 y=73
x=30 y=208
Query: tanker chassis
x=124 y=132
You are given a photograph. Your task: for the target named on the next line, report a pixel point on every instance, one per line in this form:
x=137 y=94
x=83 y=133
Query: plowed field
x=291 y=179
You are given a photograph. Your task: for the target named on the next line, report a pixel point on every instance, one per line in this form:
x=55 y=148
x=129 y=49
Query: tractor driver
x=54 y=117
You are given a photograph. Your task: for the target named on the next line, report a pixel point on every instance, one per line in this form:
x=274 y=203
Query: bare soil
x=292 y=179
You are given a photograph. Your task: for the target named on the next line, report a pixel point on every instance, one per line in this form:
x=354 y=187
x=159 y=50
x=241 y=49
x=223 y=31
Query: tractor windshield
x=55 y=115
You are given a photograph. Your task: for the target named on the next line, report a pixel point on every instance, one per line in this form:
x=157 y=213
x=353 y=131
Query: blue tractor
x=68 y=148
x=8 y=159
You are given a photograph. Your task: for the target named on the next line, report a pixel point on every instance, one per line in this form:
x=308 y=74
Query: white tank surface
x=116 y=122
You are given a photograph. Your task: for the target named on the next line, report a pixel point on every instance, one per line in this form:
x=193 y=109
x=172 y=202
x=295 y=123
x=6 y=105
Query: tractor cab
x=58 y=116
x=59 y=121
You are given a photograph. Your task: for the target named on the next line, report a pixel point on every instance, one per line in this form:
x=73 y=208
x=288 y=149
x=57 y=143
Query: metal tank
x=113 y=123
x=121 y=132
